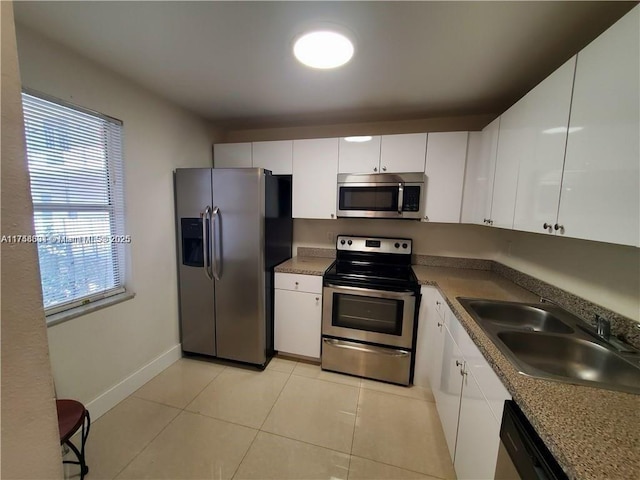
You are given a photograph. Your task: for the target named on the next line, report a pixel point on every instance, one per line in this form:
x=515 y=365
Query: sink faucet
x=603 y=327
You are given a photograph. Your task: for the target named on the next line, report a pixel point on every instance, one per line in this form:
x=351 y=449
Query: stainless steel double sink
x=545 y=341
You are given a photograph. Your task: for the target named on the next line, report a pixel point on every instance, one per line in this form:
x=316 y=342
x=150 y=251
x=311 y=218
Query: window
x=75 y=166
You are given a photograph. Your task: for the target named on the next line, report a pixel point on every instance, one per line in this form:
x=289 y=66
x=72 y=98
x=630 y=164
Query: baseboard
x=109 y=399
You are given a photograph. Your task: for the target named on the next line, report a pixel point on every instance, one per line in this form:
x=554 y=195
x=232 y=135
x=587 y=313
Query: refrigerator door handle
x=217 y=273
x=206 y=217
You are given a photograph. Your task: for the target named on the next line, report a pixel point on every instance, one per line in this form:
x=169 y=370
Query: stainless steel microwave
x=381 y=195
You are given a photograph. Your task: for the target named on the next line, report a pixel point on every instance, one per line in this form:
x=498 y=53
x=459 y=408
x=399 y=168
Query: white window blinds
x=75 y=165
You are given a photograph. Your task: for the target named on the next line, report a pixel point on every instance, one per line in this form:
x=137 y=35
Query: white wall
x=606 y=274
x=30 y=437
x=451 y=240
x=92 y=353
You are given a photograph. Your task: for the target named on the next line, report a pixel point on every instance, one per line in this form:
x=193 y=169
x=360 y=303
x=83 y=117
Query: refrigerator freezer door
x=196 y=289
x=238 y=234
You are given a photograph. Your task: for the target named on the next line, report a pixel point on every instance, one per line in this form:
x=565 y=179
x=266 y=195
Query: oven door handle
x=368 y=291
x=366 y=348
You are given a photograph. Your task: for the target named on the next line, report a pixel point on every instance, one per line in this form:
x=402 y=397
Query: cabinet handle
x=439 y=324
x=297 y=284
x=375 y=169
x=557 y=227
x=384 y=169
x=458 y=363
x=486 y=221
x=426 y=218
x=547 y=226
x=317 y=299
x=332 y=215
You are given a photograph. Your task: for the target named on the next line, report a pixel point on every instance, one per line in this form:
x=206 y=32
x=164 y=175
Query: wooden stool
x=71 y=416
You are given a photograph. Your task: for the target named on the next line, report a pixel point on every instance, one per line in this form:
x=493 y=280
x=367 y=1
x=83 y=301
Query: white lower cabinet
x=478 y=437
x=469 y=395
x=298 y=314
x=449 y=390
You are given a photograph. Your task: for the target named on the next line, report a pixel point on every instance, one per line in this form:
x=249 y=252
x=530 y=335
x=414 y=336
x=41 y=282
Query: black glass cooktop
x=371 y=274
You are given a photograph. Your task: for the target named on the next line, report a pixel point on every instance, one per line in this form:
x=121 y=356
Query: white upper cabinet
x=541 y=129
x=446 y=158
x=480 y=171
x=231 y=155
x=600 y=188
x=359 y=156
x=315 y=170
x=511 y=137
x=276 y=156
x=403 y=153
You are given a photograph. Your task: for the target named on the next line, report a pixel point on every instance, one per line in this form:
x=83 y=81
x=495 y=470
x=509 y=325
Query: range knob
x=397 y=245
x=349 y=242
x=404 y=245
x=342 y=242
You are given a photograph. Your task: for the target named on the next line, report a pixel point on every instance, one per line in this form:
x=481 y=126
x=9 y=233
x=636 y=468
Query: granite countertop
x=593 y=433
x=305 y=265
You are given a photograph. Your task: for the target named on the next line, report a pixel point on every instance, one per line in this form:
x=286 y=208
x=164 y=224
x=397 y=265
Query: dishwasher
x=522 y=453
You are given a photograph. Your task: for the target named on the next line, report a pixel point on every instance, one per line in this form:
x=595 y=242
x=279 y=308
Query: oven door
x=376 y=316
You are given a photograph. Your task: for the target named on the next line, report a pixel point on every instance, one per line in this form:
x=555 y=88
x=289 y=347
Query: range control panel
x=373 y=244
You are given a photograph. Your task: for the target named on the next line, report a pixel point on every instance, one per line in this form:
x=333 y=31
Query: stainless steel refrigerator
x=234 y=226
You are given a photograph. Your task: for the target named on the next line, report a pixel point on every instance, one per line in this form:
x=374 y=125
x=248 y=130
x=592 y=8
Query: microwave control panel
x=411 y=199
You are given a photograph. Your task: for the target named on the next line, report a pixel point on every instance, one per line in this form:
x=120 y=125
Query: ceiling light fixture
x=323 y=49
x=359 y=139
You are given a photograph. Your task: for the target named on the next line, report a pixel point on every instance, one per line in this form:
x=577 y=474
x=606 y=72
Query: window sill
x=61 y=317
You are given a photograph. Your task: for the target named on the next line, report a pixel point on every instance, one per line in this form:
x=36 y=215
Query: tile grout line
x=401 y=468
x=355 y=425
x=181 y=410
x=147 y=445
x=265 y=419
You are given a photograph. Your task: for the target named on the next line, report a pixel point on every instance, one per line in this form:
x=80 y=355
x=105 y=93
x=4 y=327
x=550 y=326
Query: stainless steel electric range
x=369 y=315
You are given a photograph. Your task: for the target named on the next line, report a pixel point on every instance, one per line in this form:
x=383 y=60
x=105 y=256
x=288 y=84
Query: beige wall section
x=307 y=129
x=94 y=352
x=30 y=438
x=606 y=274
x=451 y=240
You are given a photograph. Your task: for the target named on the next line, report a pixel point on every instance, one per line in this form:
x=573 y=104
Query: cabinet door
x=446 y=158
x=315 y=170
x=510 y=137
x=297 y=322
x=232 y=155
x=600 y=197
x=430 y=341
x=475 y=363
x=274 y=156
x=542 y=127
x=403 y=153
x=480 y=171
x=359 y=157
x=478 y=434
x=448 y=390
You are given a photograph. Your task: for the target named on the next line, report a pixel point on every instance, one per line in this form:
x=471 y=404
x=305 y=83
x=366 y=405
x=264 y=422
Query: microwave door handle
x=400 y=197
x=206 y=218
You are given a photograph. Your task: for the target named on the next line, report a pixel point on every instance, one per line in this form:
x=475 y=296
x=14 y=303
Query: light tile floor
x=200 y=420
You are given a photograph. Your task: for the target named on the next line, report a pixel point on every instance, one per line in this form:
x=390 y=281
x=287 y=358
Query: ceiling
x=231 y=62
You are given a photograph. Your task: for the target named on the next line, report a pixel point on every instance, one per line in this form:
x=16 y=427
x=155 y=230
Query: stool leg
x=84 y=469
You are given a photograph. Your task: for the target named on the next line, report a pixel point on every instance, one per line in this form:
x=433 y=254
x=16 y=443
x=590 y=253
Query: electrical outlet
x=331 y=236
